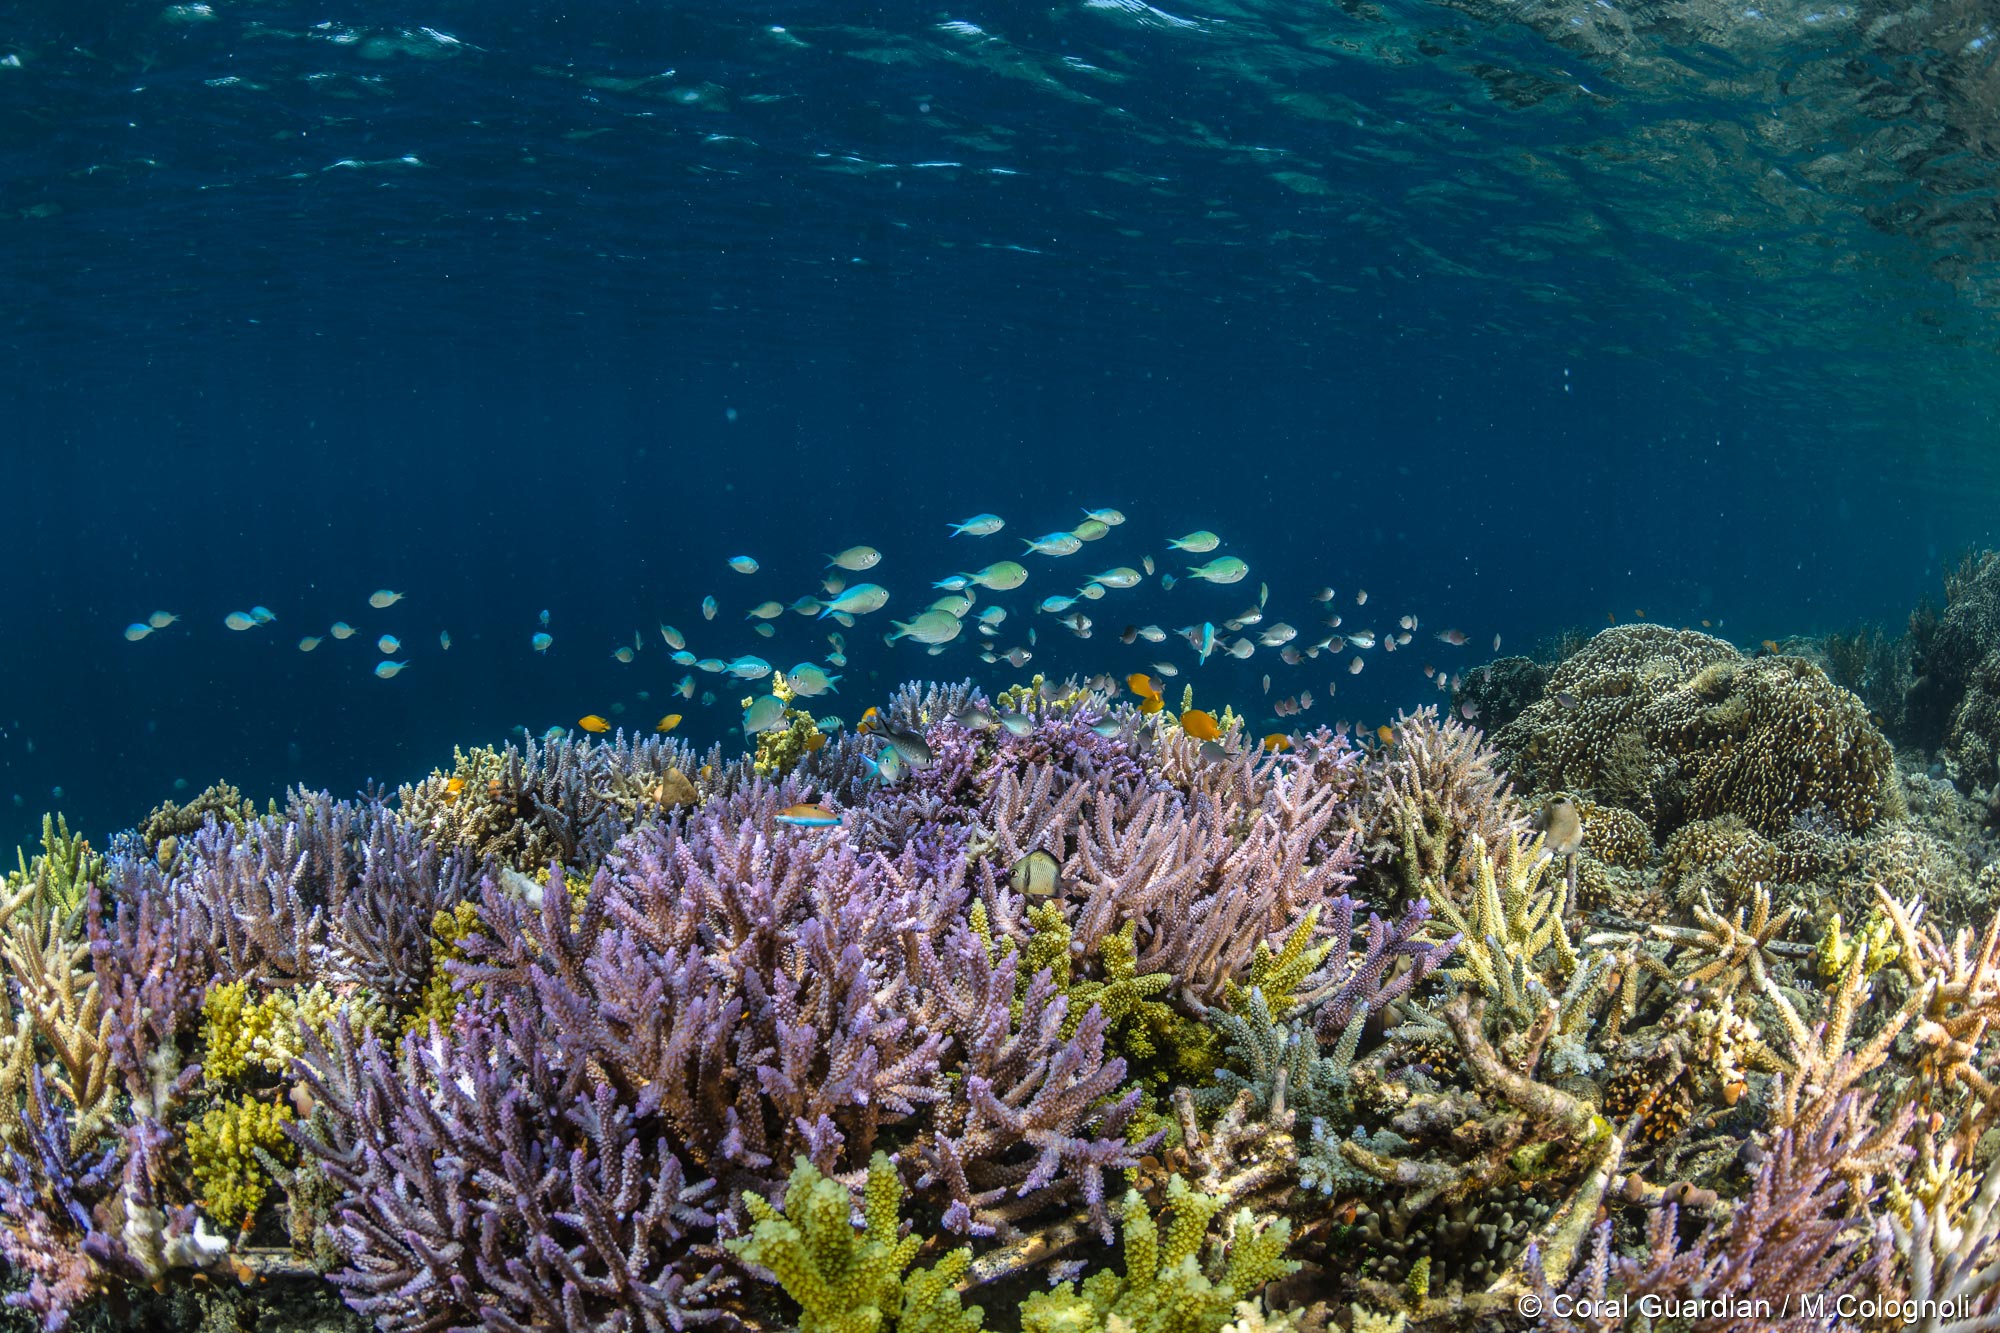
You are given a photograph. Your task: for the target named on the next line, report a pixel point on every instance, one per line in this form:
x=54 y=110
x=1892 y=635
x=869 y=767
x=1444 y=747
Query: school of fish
x=957 y=612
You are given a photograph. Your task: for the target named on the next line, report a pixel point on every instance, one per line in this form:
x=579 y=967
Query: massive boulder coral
x=1675 y=726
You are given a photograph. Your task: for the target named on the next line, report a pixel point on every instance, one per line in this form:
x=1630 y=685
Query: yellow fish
x=1142 y=685
x=594 y=724
x=1385 y=735
x=1277 y=741
x=668 y=723
x=1200 y=725
x=1036 y=875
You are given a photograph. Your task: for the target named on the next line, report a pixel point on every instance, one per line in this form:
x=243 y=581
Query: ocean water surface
x=1518 y=317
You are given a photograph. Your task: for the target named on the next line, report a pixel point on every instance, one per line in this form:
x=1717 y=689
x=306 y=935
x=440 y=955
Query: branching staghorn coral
x=1431 y=790
x=58 y=879
x=1514 y=950
x=849 y=1282
x=1166 y=1285
x=484 y=1187
x=1787 y=1235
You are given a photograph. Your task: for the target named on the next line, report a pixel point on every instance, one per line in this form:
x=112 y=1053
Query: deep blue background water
x=1516 y=326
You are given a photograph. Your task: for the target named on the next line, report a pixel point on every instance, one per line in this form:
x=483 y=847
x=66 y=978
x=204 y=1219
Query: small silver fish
x=979 y=525
x=855 y=559
x=910 y=747
x=765 y=713
x=1056 y=543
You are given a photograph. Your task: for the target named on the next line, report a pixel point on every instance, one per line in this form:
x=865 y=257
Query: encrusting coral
x=582 y=1035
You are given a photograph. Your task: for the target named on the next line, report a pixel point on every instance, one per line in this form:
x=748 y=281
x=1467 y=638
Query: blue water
x=1518 y=319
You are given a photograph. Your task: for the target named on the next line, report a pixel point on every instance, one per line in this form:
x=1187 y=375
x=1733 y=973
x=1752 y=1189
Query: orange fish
x=1385 y=735
x=668 y=723
x=808 y=816
x=453 y=789
x=1152 y=703
x=1202 y=726
x=868 y=719
x=1142 y=685
x=1277 y=741
x=594 y=724
x=1770 y=645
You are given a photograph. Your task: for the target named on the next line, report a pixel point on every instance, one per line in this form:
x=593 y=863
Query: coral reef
x=1080 y=1023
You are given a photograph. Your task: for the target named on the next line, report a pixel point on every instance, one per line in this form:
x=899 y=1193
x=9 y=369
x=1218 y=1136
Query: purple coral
x=485 y=1187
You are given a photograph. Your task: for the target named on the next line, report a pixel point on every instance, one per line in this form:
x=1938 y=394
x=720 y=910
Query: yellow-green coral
x=240 y=1034
x=1136 y=1025
x=59 y=878
x=780 y=749
x=229 y=1180
x=1165 y=1287
x=449 y=931
x=1280 y=973
x=1514 y=950
x=1516 y=914
x=1037 y=698
x=849 y=1281
x=1876 y=940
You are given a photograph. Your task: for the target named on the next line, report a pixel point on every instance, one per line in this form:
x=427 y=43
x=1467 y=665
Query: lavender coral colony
x=1046 y=1011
